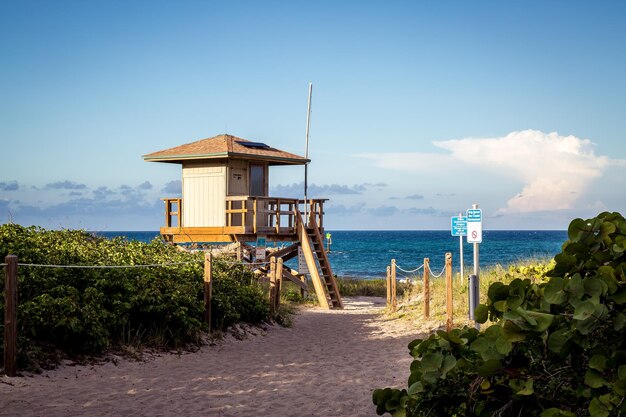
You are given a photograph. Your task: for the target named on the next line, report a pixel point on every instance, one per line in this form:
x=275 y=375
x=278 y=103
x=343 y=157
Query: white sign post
x=475 y=236
x=474 y=225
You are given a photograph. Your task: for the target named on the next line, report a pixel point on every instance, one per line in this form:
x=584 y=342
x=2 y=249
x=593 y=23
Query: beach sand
x=327 y=364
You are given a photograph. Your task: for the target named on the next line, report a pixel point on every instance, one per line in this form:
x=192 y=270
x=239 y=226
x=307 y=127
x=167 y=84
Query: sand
x=327 y=364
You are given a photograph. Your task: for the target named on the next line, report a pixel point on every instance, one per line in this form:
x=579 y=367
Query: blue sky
x=419 y=108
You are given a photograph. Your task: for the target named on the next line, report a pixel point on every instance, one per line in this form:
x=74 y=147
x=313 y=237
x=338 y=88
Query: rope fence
x=11 y=264
x=106 y=266
x=392 y=272
x=412 y=270
x=133 y=266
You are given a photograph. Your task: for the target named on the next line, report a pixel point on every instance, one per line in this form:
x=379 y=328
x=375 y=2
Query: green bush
x=557 y=348
x=84 y=311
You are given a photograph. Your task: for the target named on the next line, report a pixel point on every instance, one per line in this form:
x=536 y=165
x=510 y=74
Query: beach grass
x=411 y=304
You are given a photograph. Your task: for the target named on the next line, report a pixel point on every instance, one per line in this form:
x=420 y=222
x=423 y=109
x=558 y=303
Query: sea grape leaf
x=481 y=313
x=416 y=388
x=553 y=291
x=598 y=409
x=498 y=291
x=598 y=362
x=512 y=332
x=503 y=345
x=595 y=287
x=576 y=228
x=594 y=379
x=558 y=340
x=500 y=305
x=620 y=387
x=620 y=296
x=584 y=310
x=606 y=229
x=431 y=362
x=455 y=338
x=490 y=367
x=449 y=362
x=575 y=287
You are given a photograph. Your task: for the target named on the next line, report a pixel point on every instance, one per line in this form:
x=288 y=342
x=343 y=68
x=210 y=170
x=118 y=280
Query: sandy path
x=327 y=364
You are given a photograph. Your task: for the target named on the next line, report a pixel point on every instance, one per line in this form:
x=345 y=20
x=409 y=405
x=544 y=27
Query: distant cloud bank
x=71 y=204
x=9 y=186
x=296 y=190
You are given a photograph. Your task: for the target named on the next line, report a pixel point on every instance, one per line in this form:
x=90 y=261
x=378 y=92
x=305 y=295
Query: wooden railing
x=270 y=214
x=173 y=211
x=265 y=215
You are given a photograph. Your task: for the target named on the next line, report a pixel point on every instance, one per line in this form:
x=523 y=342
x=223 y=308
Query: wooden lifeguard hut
x=225 y=198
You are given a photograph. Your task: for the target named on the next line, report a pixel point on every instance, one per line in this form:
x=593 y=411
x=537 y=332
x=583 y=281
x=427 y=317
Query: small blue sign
x=474 y=215
x=459 y=226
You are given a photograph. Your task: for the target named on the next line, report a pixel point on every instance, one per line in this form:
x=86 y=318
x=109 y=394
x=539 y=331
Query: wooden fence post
x=279 y=280
x=394 y=294
x=208 y=287
x=239 y=252
x=426 y=289
x=388 y=286
x=10 y=315
x=272 y=286
x=449 y=306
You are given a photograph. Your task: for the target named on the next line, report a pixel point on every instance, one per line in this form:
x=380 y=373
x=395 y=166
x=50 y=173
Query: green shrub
x=84 y=311
x=557 y=348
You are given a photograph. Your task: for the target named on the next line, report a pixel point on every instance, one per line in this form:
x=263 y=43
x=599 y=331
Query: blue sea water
x=366 y=254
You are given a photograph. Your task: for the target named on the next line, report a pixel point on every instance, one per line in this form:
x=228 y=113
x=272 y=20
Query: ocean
x=366 y=254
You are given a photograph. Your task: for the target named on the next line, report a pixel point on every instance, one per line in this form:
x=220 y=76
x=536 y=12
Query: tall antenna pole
x=306 y=155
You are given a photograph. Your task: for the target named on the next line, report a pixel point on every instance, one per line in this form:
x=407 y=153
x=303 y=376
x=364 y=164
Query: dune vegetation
x=78 y=311
x=554 y=348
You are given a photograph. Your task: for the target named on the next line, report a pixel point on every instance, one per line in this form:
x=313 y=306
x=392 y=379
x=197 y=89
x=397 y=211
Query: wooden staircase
x=317 y=261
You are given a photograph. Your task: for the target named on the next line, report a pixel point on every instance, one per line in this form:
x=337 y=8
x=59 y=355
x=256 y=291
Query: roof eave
x=276 y=159
x=174 y=158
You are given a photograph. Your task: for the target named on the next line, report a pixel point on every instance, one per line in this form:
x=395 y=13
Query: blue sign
x=459 y=226
x=474 y=215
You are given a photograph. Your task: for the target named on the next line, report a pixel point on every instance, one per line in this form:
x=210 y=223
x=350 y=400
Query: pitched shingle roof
x=224 y=146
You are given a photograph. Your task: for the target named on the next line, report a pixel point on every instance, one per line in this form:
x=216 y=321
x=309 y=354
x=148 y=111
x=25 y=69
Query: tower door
x=204 y=197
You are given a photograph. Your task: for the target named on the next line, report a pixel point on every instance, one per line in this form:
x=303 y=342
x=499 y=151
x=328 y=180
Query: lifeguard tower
x=225 y=199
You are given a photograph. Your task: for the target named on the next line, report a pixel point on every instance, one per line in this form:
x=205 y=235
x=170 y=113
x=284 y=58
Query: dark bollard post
x=474 y=297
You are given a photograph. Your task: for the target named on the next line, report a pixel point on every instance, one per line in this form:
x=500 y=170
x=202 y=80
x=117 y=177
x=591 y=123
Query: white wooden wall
x=204 y=194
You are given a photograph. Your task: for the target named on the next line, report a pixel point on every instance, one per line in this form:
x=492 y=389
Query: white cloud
x=555 y=170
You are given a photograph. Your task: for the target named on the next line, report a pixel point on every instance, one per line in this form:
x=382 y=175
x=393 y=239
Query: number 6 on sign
x=474 y=226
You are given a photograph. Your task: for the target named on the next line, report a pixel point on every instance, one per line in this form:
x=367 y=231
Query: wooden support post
x=10 y=315
x=254 y=216
x=272 y=286
x=168 y=217
x=239 y=252
x=394 y=293
x=229 y=217
x=303 y=292
x=449 y=306
x=277 y=214
x=426 y=290
x=388 y=286
x=208 y=287
x=279 y=280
